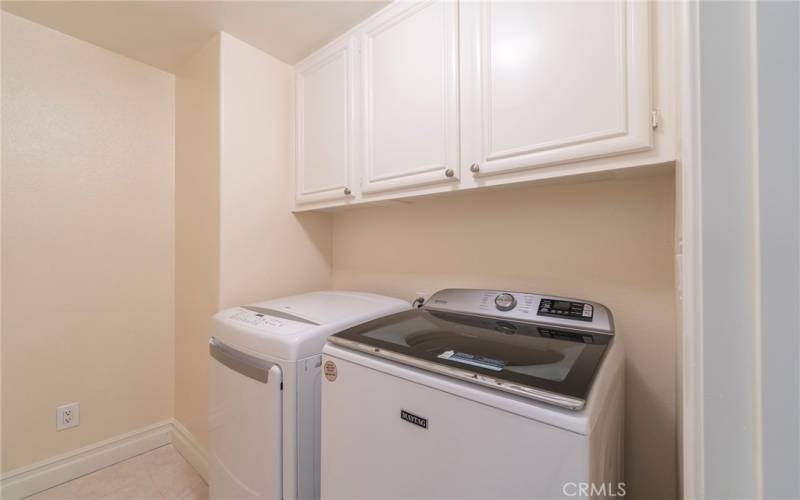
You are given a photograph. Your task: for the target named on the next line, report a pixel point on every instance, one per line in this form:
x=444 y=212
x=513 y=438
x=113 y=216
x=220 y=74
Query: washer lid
x=541 y=362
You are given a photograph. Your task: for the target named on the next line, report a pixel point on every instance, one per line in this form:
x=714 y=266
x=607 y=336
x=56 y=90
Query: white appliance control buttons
x=505 y=302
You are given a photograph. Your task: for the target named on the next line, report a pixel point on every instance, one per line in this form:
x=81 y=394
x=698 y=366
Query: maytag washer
x=478 y=394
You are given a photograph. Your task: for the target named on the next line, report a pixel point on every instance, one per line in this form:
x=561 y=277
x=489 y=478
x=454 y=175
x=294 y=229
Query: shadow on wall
x=318 y=229
x=649 y=415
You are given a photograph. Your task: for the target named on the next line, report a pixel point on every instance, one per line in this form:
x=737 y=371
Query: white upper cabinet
x=409 y=85
x=435 y=96
x=325 y=132
x=547 y=82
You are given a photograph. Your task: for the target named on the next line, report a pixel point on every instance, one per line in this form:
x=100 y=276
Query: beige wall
x=237 y=240
x=608 y=241
x=87 y=235
x=266 y=251
x=197 y=149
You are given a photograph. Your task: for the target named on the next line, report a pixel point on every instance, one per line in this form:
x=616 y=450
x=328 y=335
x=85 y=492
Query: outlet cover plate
x=68 y=416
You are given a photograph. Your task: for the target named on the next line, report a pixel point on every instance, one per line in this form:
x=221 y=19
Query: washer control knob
x=505 y=302
x=347 y=191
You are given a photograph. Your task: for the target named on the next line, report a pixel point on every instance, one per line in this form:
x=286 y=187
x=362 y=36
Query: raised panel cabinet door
x=550 y=82
x=324 y=124
x=409 y=69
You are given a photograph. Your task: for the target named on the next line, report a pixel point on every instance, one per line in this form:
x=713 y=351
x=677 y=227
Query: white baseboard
x=186 y=444
x=42 y=475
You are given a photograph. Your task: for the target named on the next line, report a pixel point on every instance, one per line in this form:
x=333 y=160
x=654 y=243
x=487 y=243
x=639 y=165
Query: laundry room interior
x=183 y=183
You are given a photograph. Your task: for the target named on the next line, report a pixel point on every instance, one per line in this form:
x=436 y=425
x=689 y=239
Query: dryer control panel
x=526 y=307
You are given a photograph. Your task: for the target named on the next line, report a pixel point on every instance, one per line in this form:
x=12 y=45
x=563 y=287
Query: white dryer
x=478 y=394
x=264 y=394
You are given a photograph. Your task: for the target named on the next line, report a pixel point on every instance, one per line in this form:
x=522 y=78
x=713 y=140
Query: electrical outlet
x=68 y=416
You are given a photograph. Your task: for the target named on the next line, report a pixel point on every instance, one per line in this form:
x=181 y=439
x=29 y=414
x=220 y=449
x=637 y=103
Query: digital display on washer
x=566 y=309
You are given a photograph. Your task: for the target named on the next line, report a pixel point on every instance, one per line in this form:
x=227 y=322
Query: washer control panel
x=505 y=302
x=525 y=306
x=566 y=309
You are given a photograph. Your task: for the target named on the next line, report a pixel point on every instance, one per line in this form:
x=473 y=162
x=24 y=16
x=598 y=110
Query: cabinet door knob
x=474 y=168
x=347 y=191
x=449 y=172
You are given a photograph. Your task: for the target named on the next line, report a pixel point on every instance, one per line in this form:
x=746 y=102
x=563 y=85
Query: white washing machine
x=264 y=394
x=478 y=394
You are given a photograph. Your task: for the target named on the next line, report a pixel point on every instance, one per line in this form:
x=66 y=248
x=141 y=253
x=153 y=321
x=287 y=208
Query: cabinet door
x=549 y=82
x=409 y=68
x=324 y=133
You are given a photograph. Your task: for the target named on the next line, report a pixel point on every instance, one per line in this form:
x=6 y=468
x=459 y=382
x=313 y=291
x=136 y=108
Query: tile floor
x=156 y=475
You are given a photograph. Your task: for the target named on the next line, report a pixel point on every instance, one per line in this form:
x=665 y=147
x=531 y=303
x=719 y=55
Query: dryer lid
x=328 y=307
x=295 y=327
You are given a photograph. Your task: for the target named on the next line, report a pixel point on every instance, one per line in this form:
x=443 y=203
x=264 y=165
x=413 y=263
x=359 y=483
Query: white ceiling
x=166 y=33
